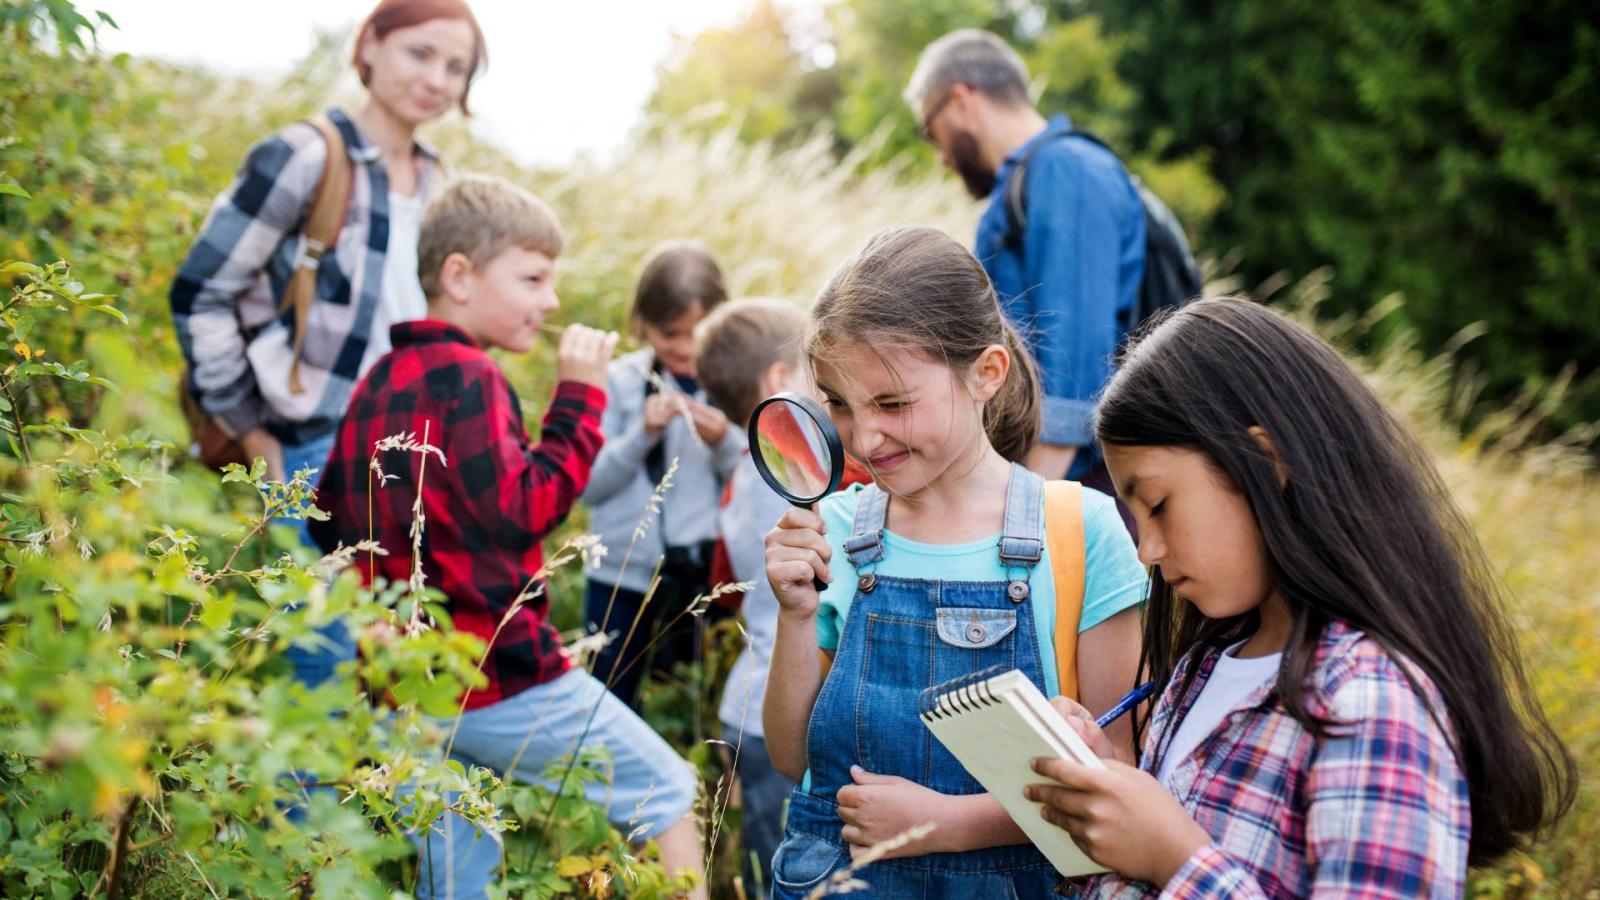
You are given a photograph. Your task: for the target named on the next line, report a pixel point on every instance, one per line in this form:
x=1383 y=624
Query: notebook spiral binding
x=965 y=692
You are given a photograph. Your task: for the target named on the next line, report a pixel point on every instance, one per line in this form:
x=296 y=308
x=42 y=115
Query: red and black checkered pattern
x=486 y=510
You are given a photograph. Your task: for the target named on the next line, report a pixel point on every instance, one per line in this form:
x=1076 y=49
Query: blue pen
x=1134 y=698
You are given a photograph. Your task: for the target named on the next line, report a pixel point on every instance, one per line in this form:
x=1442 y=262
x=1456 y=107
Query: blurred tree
x=1445 y=149
x=754 y=76
x=772 y=78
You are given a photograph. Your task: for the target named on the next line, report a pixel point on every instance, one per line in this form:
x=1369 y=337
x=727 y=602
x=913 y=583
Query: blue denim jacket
x=1079 y=267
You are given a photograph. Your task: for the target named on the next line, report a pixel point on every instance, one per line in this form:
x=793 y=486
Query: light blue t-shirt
x=1113 y=580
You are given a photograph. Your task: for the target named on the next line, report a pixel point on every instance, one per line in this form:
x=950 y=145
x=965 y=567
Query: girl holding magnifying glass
x=934 y=571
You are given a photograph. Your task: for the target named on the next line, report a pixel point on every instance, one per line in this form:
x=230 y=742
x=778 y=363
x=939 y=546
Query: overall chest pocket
x=970 y=639
x=968 y=628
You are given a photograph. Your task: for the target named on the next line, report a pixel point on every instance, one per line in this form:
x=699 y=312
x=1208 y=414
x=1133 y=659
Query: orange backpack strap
x=1063 y=532
x=329 y=205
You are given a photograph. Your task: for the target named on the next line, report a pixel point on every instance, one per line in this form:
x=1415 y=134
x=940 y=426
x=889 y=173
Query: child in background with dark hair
x=1344 y=711
x=657 y=418
x=939 y=569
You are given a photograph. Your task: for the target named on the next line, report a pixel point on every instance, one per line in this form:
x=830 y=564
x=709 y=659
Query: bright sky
x=563 y=78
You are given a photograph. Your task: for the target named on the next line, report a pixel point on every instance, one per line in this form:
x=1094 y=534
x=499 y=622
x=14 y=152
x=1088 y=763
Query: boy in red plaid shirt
x=486 y=259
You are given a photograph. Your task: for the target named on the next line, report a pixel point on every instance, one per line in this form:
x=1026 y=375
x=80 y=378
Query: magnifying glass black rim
x=830 y=434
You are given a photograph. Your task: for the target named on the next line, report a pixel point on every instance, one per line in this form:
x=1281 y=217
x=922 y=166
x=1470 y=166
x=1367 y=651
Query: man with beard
x=1070 y=276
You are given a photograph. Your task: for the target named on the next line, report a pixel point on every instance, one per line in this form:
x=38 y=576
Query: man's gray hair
x=973 y=57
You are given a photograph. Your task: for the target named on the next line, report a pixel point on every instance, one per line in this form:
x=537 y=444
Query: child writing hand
x=938 y=569
x=1343 y=712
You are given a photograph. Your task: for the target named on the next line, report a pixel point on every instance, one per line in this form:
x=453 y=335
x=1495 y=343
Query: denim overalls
x=900 y=636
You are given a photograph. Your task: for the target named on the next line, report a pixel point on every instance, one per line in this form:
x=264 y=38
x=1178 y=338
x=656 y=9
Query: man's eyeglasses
x=926 y=130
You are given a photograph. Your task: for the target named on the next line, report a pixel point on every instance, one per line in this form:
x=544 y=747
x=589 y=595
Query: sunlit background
x=563 y=78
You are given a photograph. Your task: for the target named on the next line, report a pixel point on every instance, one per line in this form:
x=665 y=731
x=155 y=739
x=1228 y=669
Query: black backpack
x=1171 y=277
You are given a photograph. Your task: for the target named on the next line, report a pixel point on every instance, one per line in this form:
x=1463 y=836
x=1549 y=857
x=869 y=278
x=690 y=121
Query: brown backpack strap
x=321 y=234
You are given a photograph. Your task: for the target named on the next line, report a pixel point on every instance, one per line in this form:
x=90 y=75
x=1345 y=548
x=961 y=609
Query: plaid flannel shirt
x=488 y=506
x=1377 y=809
x=225 y=297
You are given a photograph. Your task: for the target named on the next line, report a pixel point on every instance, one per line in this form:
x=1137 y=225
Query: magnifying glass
x=796 y=449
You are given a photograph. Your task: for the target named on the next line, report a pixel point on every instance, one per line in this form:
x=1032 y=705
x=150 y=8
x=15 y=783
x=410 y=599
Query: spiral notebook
x=996 y=725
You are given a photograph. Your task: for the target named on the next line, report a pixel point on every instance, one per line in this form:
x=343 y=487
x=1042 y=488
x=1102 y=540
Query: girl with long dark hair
x=1344 y=709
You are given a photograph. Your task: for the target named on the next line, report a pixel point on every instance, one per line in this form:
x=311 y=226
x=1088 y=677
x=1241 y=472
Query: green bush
x=156 y=744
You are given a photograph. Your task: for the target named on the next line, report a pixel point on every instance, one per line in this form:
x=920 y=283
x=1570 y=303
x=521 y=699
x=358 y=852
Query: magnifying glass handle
x=816 y=582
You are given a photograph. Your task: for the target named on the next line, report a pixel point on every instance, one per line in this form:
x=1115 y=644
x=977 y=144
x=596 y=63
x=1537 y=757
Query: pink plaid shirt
x=1376 y=809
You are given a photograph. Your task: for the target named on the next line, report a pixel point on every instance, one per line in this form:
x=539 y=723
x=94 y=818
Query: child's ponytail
x=917 y=288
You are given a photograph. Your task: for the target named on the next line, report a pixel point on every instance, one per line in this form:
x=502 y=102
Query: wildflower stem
x=16 y=416
x=651 y=506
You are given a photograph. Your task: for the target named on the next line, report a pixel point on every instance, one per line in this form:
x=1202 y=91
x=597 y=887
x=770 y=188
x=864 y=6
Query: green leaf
x=15 y=191
x=337 y=880
x=217 y=611
x=193 y=820
x=111 y=311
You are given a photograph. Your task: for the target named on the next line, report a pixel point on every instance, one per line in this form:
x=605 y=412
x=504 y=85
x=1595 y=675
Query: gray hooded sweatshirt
x=619 y=489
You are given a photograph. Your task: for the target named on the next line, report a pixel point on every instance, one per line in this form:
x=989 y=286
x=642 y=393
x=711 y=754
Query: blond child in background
x=487 y=256
x=750 y=350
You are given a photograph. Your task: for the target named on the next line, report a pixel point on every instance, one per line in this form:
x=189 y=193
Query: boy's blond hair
x=481 y=216
x=737 y=343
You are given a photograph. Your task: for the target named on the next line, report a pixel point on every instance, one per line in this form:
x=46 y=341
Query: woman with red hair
x=277 y=383
x=271 y=379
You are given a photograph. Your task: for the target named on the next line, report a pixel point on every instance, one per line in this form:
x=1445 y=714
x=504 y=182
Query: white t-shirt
x=401 y=299
x=1230 y=683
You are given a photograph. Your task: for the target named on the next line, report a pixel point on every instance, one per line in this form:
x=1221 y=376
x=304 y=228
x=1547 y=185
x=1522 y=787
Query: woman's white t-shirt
x=1230 y=683
x=401 y=299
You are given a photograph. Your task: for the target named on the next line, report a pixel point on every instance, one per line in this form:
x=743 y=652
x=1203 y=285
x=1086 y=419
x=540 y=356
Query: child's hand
x=797 y=554
x=583 y=354
x=1121 y=816
x=877 y=808
x=1080 y=720
x=709 y=422
x=658 y=411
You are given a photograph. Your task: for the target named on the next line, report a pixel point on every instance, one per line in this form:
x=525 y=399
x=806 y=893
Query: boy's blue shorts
x=651 y=786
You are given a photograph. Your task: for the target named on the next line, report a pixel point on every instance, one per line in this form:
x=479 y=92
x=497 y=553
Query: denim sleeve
x=1074 y=241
